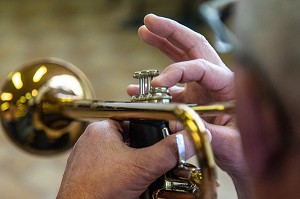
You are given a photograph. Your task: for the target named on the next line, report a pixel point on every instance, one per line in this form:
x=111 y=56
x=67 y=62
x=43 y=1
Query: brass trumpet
x=47 y=104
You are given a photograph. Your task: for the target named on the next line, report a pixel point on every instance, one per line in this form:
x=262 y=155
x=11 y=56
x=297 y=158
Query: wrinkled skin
x=206 y=78
x=101 y=165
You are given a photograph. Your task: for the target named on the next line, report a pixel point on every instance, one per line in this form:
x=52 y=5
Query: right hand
x=101 y=165
x=206 y=79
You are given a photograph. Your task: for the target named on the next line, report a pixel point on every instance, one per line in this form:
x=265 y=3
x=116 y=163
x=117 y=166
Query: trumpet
x=47 y=104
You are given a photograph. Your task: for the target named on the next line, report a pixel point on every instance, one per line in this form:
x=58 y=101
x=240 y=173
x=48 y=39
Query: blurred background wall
x=100 y=37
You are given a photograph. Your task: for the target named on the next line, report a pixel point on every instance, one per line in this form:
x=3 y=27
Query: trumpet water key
x=47 y=104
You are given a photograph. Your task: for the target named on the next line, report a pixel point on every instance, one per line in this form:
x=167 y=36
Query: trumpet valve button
x=144 y=77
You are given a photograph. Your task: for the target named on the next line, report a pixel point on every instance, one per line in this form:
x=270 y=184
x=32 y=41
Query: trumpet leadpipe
x=95 y=110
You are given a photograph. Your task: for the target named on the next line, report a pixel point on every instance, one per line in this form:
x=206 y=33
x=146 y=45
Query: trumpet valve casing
x=148 y=93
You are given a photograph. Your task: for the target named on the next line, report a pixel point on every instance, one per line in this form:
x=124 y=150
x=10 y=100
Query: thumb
x=158 y=158
x=163 y=156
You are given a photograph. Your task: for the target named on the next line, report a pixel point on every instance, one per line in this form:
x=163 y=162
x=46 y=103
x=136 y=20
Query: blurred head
x=267 y=84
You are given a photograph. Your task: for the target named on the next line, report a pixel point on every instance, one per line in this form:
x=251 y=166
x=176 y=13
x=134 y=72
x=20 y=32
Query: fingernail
x=152 y=14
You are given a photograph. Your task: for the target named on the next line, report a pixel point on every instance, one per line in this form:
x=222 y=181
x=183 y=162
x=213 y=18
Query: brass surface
x=30 y=111
x=46 y=105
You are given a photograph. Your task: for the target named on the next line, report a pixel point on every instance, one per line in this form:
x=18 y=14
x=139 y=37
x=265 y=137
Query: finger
x=175 y=91
x=175 y=126
x=164 y=45
x=227 y=148
x=225 y=140
x=98 y=137
x=206 y=74
x=192 y=43
x=125 y=131
x=105 y=130
x=132 y=89
x=162 y=156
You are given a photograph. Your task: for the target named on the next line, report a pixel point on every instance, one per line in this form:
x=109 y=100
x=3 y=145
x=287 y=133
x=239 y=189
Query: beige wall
x=92 y=36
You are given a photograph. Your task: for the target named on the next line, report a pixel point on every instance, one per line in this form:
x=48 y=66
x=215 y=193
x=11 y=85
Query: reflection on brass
x=47 y=104
x=31 y=111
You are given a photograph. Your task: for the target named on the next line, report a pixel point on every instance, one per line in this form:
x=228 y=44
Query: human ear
x=258 y=121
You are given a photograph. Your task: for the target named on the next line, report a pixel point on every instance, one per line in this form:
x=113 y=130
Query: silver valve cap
x=147 y=93
x=146 y=73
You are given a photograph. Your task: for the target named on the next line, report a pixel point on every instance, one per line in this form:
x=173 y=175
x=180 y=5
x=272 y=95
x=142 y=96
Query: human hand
x=101 y=165
x=206 y=79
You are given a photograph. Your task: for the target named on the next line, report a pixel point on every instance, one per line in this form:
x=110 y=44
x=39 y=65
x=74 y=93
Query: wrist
x=74 y=190
x=241 y=184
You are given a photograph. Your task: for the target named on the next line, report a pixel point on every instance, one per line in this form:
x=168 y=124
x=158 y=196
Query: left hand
x=101 y=165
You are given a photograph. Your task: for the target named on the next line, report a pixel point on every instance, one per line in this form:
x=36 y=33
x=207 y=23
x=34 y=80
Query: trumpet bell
x=30 y=112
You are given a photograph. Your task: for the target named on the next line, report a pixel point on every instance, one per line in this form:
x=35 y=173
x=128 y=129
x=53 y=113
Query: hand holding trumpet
x=127 y=172
x=267 y=107
x=206 y=79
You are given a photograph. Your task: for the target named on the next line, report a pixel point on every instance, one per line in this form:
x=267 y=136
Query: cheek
x=243 y=114
x=250 y=123
x=245 y=106
x=240 y=100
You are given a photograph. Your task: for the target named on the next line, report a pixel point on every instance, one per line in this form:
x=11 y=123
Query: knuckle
x=202 y=38
x=202 y=62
